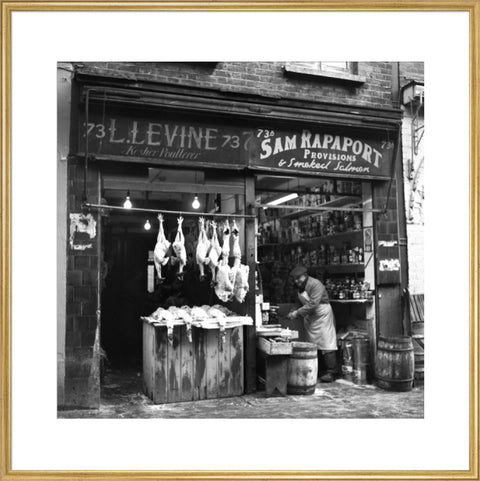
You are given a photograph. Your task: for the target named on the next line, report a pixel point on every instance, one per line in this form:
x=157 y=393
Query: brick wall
x=82 y=386
x=411 y=71
x=387 y=225
x=413 y=168
x=260 y=78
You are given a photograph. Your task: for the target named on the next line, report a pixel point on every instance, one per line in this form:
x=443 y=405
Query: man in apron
x=318 y=319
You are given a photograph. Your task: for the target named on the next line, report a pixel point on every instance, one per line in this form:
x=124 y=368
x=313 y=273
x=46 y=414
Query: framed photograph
x=228 y=230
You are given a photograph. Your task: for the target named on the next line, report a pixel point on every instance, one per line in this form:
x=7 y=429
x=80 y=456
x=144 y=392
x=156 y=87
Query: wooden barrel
x=394 y=365
x=419 y=364
x=302 y=368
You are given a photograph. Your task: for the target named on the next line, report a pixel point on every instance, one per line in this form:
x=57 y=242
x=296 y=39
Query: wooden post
x=369 y=261
x=249 y=338
x=64 y=103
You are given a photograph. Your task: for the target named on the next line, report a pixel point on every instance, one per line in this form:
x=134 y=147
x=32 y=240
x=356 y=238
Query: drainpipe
x=401 y=217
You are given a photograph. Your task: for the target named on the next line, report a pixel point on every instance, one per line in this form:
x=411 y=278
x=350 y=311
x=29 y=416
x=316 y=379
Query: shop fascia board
x=239 y=105
x=158 y=162
x=143 y=186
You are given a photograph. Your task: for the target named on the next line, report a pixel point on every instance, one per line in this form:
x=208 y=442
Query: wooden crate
x=211 y=366
x=271 y=347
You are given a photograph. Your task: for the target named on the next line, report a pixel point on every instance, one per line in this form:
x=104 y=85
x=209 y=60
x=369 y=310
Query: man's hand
x=292 y=315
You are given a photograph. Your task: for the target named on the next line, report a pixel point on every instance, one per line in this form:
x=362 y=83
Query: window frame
x=315 y=69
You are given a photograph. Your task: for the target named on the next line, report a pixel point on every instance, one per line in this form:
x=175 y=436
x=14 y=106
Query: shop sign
x=309 y=150
x=150 y=137
x=155 y=138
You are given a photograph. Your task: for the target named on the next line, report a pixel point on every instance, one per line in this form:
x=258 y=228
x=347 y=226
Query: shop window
x=317 y=223
x=342 y=71
x=323 y=225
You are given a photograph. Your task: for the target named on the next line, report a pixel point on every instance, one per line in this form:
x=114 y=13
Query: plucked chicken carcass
x=214 y=253
x=236 y=251
x=240 y=287
x=216 y=313
x=220 y=317
x=179 y=248
x=223 y=309
x=239 y=271
x=187 y=309
x=162 y=314
x=182 y=314
x=198 y=314
x=226 y=243
x=203 y=245
x=224 y=285
x=161 y=248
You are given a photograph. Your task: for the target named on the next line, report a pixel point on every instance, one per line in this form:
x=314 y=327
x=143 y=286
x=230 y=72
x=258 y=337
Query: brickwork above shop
x=411 y=71
x=268 y=79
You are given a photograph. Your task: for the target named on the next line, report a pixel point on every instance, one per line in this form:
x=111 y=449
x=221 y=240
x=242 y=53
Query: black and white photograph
x=227 y=230
x=240 y=239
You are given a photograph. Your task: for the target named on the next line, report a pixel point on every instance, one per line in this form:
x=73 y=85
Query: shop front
x=187 y=211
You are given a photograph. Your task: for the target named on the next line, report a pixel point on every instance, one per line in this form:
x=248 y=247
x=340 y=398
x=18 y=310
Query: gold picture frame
x=8 y=7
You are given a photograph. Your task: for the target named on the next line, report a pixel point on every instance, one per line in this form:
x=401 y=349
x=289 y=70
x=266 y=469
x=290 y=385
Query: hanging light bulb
x=147 y=225
x=128 y=203
x=196 y=202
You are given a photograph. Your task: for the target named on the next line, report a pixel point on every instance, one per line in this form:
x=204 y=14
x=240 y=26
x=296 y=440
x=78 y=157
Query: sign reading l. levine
x=311 y=151
x=158 y=139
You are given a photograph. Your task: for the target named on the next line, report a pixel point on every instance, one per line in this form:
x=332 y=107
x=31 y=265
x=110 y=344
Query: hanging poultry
x=179 y=248
x=224 y=285
x=161 y=248
x=236 y=251
x=203 y=245
x=240 y=287
x=239 y=271
x=214 y=253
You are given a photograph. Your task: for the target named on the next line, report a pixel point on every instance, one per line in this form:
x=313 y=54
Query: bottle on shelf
x=348 y=289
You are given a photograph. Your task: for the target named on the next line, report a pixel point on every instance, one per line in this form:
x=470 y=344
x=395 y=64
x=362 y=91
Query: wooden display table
x=211 y=366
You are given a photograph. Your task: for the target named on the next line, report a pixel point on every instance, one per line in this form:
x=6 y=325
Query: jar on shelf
x=351 y=256
x=357 y=222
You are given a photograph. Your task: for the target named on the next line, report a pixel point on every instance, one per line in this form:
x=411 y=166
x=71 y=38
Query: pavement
x=122 y=397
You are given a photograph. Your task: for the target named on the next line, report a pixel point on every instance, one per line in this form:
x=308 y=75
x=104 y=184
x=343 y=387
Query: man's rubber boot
x=322 y=369
x=330 y=360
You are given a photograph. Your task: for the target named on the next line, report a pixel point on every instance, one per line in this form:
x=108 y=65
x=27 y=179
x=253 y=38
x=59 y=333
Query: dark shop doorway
x=125 y=298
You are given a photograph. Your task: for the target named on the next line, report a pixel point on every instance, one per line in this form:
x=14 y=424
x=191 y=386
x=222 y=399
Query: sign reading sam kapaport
x=311 y=151
x=161 y=140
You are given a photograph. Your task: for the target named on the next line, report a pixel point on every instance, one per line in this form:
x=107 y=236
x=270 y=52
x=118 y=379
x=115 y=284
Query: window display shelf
x=349 y=233
x=342 y=268
x=330 y=268
x=342 y=201
x=351 y=301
